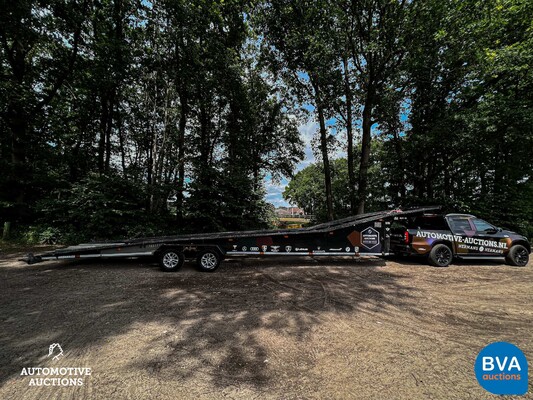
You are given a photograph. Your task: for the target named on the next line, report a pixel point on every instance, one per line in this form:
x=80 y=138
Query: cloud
x=307 y=132
x=274 y=192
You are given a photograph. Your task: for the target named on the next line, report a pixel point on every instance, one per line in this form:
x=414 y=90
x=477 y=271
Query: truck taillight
x=406 y=237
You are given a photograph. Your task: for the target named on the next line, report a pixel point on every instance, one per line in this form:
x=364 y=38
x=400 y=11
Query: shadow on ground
x=211 y=318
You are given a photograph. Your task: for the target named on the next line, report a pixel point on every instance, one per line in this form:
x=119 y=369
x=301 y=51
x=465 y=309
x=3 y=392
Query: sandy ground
x=256 y=328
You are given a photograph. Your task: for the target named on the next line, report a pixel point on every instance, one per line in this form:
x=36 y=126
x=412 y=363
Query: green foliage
x=98 y=207
x=306 y=189
x=109 y=109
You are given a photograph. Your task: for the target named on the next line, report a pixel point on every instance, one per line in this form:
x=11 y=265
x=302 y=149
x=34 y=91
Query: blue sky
x=307 y=132
x=274 y=190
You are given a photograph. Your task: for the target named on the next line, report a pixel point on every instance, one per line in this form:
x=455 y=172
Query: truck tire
x=208 y=260
x=171 y=260
x=517 y=256
x=440 y=255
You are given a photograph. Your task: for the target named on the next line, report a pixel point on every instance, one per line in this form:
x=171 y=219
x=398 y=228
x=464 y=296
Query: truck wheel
x=208 y=260
x=171 y=260
x=517 y=256
x=440 y=255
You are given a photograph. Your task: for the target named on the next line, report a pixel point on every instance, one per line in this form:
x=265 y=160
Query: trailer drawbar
x=362 y=235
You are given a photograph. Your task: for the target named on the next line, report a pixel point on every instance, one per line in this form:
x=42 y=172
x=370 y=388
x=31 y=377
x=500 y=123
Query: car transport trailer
x=362 y=235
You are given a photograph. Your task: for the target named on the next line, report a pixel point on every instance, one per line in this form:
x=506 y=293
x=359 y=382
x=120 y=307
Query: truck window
x=433 y=222
x=482 y=226
x=460 y=225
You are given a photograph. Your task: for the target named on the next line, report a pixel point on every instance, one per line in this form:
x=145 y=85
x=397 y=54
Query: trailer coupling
x=31 y=259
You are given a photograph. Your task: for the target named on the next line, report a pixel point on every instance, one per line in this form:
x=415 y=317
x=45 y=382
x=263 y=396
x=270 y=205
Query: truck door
x=464 y=231
x=474 y=236
x=488 y=236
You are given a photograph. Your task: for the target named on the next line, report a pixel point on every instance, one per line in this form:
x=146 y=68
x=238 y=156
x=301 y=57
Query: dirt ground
x=260 y=328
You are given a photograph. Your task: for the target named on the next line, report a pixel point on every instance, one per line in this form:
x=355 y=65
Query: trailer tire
x=440 y=255
x=171 y=260
x=208 y=260
x=518 y=256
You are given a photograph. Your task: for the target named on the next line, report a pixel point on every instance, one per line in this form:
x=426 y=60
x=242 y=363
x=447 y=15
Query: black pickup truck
x=441 y=238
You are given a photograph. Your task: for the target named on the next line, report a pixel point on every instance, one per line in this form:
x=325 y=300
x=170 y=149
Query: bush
x=98 y=207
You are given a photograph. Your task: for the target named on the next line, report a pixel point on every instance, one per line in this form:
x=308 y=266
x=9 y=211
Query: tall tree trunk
x=102 y=137
x=108 y=131
x=324 y=147
x=430 y=177
x=401 y=166
x=365 y=151
x=18 y=125
x=349 y=133
x=121 y=143
x=325 y=161
x=74 y=158
x=181 y=156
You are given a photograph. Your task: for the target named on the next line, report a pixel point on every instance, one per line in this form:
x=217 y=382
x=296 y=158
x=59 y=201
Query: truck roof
x=459 y=215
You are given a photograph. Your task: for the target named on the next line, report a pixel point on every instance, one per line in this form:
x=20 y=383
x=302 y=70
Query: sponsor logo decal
x=264 y=248
x=254 y=248
x=501 y=368
x=244 y=248
x=370 y=238
x=484 y=243
x=288 y=249
x=275 y=249
x=301 y=249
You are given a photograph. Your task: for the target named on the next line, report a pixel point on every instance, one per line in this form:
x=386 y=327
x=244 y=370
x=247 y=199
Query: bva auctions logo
x=501 y=368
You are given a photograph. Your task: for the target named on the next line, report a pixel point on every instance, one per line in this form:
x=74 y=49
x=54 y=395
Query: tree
x=40 y=45
x=307 y=190
x=297 y=48
x=378 y=34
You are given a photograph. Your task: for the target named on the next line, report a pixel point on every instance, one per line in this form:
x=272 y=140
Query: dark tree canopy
x=124 y=118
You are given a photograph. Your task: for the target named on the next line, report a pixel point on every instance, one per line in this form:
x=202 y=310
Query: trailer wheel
x=170 y=260
x=517 y=256
x=440 y=255
x=208 y=260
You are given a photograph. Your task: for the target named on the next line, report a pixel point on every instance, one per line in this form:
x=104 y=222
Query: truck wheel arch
x=521 y=243
x=445 y=242
x=437 y=259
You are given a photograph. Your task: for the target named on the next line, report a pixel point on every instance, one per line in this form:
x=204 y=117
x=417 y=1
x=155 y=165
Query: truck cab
x=442 y=237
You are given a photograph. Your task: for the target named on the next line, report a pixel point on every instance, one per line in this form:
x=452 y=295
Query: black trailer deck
x=364 y=234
